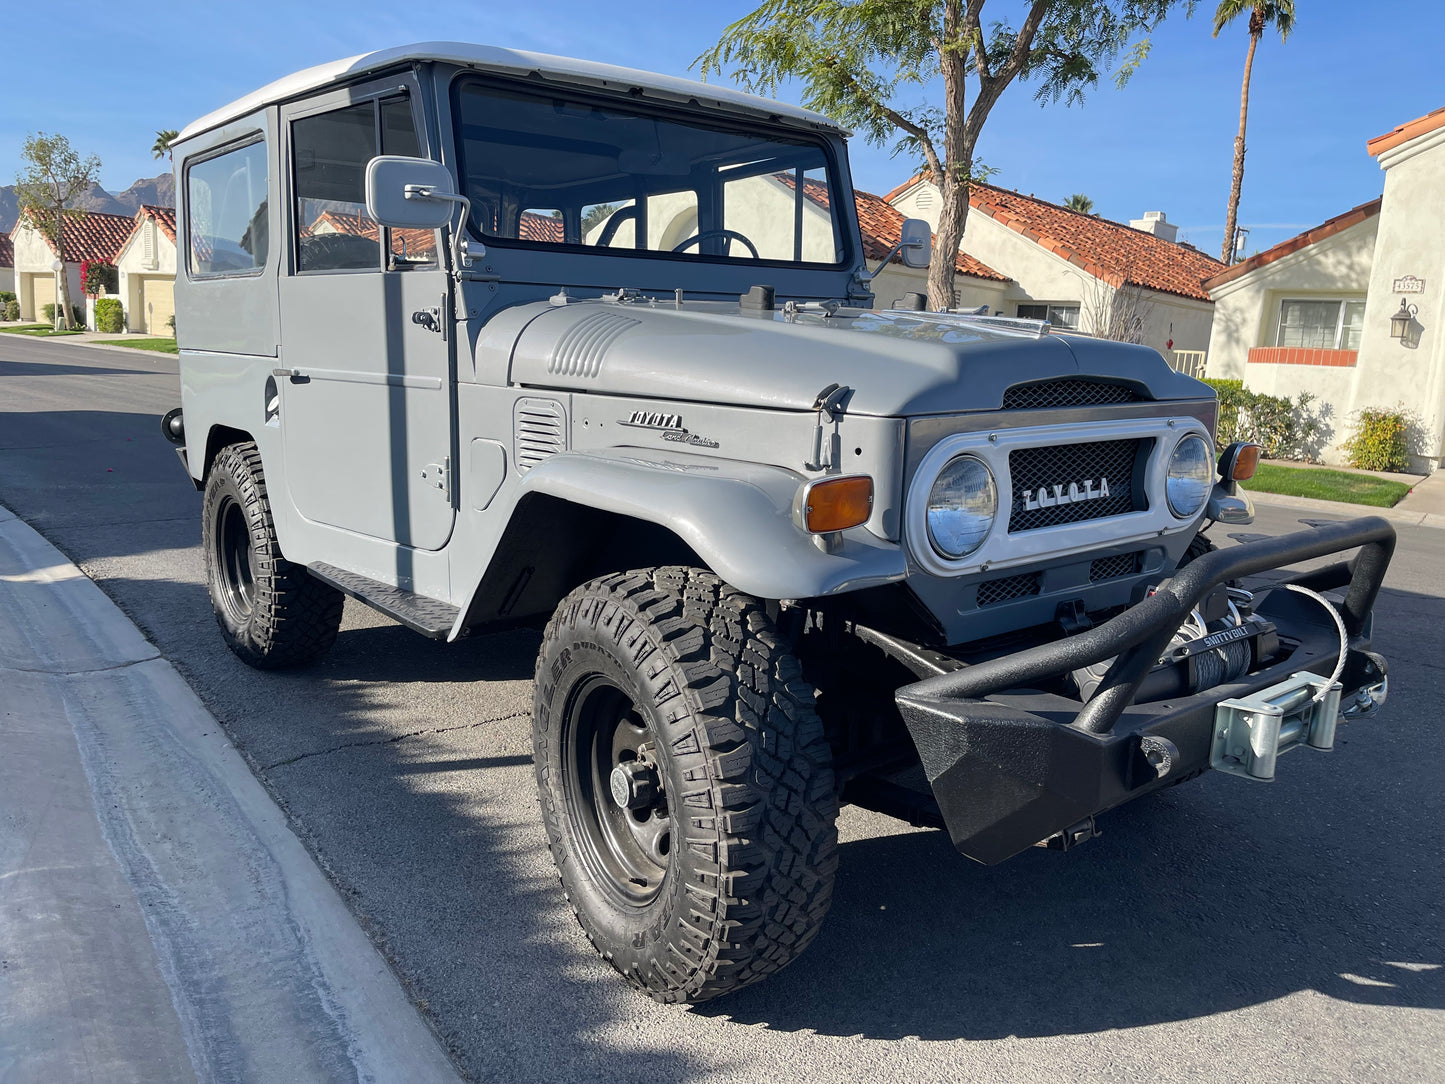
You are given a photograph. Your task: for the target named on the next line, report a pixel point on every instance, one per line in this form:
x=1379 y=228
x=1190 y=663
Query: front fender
x=736 y=516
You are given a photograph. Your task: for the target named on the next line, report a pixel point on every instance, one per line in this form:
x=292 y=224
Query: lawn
x=1327 y=485
x=160 y=346
x=35 y=329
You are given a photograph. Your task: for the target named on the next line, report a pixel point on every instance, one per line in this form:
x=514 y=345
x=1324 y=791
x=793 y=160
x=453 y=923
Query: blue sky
x=1349 y=72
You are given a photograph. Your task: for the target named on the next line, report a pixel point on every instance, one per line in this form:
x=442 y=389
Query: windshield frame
x=844 y=217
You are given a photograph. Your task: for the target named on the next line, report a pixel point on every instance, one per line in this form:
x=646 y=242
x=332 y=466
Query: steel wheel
x=235 y=560
x=616 y=798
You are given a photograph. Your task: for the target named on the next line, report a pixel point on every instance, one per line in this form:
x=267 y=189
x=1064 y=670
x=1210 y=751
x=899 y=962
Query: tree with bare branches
x=869 y=63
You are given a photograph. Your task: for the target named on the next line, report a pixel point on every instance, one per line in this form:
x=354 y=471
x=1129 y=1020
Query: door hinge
x=439 y=476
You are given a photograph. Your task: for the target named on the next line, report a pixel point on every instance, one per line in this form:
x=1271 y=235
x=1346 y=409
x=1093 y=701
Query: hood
x=898 y=363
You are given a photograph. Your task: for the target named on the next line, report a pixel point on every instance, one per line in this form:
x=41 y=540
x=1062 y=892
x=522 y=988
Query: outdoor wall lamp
x=1400 y=322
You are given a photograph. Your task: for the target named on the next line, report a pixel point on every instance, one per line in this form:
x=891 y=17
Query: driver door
x=367 y=405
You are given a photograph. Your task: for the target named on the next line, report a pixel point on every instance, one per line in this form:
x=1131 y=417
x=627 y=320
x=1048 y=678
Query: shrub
x=77 y=314
x=1381 y=440
x=12 y=310
x=1283 y=428
x=109 y=315
x=47 y=312
x=6 y=297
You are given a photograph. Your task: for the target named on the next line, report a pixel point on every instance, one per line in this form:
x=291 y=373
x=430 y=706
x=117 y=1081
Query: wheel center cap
x=633 y=785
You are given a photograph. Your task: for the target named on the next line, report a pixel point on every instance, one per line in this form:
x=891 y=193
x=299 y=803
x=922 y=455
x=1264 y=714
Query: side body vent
x=1043 y=394
x=539 y=429
x=579 y=352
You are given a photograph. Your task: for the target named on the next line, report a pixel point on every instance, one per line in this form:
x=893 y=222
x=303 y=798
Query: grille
x=1067 y=393
x=1111 y=568
x=540 y=430
x=1062 y=465
x=992 y=592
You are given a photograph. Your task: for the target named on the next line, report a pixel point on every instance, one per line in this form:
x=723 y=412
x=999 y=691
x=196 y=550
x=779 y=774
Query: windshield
x=544 y=169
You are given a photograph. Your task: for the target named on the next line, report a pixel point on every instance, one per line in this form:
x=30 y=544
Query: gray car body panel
x=723 y=481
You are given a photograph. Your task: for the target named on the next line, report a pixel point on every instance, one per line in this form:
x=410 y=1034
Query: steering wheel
x=731 y=235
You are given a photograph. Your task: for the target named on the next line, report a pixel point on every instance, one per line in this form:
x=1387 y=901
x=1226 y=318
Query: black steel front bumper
x=1011 y=766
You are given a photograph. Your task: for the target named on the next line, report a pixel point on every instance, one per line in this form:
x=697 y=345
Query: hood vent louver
x=579 y=352
x=1068 y=392
x=539 y=430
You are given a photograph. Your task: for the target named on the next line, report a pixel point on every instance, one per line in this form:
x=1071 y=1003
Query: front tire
x=686 y=784
x=272 y=613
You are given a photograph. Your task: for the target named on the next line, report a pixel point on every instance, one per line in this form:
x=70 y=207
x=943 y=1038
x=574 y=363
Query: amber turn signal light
x=1244 y=462
x=834 y=504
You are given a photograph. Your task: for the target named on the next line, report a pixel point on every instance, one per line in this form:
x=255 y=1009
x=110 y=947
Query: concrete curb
x=1343 y=510
x=269 y=976
x=73 y=340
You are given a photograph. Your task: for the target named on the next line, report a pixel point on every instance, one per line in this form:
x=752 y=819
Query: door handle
x=431 y=319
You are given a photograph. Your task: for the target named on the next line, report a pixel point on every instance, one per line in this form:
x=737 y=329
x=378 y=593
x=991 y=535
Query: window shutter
x=148 y=243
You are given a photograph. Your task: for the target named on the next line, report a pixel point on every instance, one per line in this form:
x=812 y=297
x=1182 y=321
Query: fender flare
x=736 y=516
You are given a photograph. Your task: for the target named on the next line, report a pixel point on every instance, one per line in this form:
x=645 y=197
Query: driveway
x=1217 y=931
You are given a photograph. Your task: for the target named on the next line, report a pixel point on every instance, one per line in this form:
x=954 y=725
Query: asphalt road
x=1218 y=931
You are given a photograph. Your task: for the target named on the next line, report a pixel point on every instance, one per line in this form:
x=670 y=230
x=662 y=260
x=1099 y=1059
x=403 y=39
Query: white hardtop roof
x=508 y=62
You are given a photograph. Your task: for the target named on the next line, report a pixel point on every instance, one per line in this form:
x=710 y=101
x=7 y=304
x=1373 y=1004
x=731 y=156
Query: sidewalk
x=95 y=339
x=159 y=921
x=1423 y=506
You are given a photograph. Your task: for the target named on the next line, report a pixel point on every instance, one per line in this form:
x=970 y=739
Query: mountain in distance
x=159 y=191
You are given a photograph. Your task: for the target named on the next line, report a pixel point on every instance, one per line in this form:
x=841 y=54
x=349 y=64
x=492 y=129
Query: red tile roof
x=535 y=227
x=91 y=236
x=7 y=251
x=1403 y=133
x=1110 y=251
x=1325 y=229
x=882 y=225
x=165 y=218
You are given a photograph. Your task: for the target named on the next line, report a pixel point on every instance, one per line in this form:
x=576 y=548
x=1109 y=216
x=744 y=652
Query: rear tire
x=272 y=613
x=685 y=782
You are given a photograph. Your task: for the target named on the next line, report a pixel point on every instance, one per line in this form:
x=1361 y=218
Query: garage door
x=42 y=289
x=158 y=305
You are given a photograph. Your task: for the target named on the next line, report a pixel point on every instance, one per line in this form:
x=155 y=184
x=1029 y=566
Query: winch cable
x=1339 y=624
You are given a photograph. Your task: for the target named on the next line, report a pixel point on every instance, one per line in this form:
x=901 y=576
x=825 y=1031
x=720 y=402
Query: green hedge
x=76 y=312
x=12 y=310
x=1284 y=428
x=109 y=315
x=5 y=298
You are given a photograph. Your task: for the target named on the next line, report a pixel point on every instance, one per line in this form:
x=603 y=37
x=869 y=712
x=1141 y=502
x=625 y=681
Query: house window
x=226 y=208
x=1066 y=316
x=1321 y=325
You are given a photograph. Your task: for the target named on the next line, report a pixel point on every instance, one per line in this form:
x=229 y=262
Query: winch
x=1222 y=639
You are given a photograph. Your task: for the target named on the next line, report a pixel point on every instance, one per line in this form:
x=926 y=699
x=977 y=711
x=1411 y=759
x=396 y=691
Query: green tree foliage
x=1081 y=203
x=870 y=63
x=54 y=175
x=1262 y=15
x=161 y=148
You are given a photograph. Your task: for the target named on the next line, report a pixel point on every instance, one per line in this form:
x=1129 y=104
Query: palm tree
x=1262 y=15
x=1081 y=203
x=164 y=138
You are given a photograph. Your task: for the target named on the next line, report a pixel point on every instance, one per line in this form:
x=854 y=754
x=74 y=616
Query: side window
x=330 y=152
x=405 y=247
x=226 y=212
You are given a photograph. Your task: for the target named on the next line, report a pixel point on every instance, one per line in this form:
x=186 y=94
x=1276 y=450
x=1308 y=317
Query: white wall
x=132 y=264
x=7 y=279
x=1411 y=242
x=895 y=280
x=1246 y=309
x=33 y=254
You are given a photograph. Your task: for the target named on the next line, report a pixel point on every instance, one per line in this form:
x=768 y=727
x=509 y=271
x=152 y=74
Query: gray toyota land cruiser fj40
x=486 y=338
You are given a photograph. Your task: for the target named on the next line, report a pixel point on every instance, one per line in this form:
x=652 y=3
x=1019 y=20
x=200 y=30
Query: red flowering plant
x=98 y=276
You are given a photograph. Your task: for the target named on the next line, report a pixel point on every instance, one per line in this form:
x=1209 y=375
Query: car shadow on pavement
x=1194 y=902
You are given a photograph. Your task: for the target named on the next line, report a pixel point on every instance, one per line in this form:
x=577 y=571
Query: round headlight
x=961 y=507
x=1191 y=474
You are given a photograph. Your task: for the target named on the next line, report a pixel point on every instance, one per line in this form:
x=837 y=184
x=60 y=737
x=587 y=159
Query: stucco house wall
x=33 y=257
x=148 y=257
x=1411 y=242
x=895 y=280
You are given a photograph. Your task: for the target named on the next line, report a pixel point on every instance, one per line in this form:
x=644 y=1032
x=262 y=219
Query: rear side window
x=226 y=212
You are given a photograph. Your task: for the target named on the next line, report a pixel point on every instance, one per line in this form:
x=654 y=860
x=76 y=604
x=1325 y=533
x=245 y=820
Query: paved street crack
x=391 y=740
